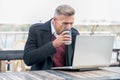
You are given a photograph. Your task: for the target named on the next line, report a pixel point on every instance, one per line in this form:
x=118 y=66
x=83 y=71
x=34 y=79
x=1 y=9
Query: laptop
x=91 y=51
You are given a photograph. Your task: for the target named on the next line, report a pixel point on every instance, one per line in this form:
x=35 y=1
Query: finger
x=67 y=39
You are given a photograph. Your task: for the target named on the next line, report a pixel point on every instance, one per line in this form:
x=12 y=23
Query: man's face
x=62 y=22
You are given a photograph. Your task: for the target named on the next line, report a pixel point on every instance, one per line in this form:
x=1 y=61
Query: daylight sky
x=32 y=11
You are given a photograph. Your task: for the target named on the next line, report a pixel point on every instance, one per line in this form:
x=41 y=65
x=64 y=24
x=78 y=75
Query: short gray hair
x=64 y=10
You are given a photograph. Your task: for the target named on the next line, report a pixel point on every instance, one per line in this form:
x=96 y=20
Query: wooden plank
x=59 y=75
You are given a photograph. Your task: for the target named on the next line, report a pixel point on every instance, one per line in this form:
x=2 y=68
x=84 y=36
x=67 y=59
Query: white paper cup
x=68 y=34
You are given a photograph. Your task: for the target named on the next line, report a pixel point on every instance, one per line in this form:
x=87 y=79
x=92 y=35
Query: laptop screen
x=92 y=51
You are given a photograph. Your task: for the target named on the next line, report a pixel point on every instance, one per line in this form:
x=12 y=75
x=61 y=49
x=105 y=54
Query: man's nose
x=68 y=26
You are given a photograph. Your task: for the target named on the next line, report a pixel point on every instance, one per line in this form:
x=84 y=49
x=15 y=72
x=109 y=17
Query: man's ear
x=54 y=18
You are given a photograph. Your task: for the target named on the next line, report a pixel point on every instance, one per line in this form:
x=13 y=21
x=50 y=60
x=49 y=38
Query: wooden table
x=103 y=74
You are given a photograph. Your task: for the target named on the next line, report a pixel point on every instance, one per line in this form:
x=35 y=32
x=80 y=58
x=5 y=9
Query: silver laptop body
x=91 y=52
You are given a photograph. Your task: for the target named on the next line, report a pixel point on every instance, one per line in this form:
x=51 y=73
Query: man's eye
x=67 y=23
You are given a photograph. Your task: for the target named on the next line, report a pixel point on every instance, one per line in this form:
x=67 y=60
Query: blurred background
x=16 y=16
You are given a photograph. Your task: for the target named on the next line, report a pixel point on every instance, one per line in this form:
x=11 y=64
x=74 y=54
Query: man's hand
x=61 y=39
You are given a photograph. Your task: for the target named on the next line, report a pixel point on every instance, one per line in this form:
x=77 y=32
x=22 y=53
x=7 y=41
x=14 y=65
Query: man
x=46 y=47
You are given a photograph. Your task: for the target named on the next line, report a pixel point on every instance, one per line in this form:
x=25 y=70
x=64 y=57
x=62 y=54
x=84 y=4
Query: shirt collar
x=53 y=30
